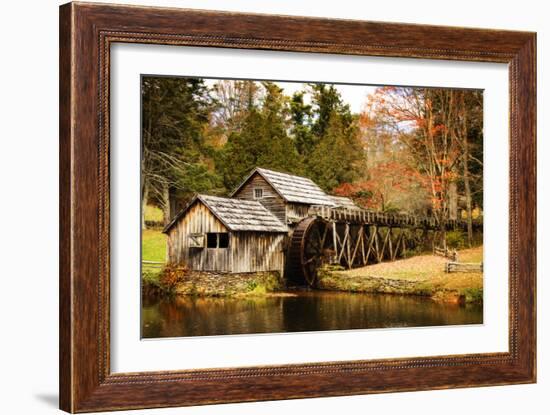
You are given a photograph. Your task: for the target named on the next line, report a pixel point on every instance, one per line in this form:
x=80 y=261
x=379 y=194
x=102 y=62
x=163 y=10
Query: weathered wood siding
x=198 y=220
x=256 y=251
x=295 y=211
x=247 y=251
x=271 y=200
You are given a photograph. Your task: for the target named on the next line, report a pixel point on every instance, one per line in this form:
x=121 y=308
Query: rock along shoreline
x=334 y=278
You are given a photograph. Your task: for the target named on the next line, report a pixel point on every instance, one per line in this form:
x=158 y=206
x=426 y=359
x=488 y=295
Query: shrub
x=171 y=276
x=150 y=283
x=456 y=239
x=473 y=295
x=425 y=288
x=410 y=252
x=259 y=289
x=264 y=283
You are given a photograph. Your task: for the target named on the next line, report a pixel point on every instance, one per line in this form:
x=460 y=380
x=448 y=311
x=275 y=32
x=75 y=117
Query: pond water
x=297 y=311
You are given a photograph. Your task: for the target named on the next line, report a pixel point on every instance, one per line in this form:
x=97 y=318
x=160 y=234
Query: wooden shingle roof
x=295 y=189
x=236 y=214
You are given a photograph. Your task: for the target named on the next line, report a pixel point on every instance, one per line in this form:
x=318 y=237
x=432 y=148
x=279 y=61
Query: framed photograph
x=260 y=207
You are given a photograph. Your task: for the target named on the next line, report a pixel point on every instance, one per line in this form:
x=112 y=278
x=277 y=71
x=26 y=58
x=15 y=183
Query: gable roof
x=236 y=214
x=291 y=188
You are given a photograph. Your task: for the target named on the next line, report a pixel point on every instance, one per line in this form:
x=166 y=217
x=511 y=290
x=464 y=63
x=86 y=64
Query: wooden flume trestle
x=357 y=237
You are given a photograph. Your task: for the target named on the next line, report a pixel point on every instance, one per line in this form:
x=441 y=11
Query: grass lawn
x=153 y=245
x=153 y=213
x=153 y=248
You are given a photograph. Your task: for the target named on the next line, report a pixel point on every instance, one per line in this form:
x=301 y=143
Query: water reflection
x=305 y=311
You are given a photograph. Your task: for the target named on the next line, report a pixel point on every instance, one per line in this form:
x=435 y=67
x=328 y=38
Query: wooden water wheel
x=308 y=250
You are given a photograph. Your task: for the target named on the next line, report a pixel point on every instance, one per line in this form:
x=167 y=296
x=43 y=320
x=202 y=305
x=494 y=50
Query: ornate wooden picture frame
x=87 y=32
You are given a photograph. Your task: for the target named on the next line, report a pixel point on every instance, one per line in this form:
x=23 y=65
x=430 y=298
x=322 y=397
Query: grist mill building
x=275 y=221
x=247 y=232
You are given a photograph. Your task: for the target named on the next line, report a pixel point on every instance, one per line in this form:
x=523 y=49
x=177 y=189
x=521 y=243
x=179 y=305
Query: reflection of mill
x=356 y=237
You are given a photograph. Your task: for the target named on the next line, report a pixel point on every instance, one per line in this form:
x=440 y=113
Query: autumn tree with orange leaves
x=410 y=149
x=418 y=143
x=389 y=186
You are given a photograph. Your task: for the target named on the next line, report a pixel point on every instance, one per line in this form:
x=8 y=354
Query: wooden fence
x=152 y=265
x=447 y=253
x=154 y=224
x=463 y=267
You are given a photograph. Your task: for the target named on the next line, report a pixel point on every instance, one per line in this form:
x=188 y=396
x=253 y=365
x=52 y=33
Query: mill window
x=217 y=240
x=211 y=240
x=258 y=193
x=223 y=240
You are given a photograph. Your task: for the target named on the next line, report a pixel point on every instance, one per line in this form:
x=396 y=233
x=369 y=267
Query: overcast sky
x=354 y=95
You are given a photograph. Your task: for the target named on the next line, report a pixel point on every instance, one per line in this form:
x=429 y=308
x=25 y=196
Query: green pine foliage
x=200 y=138
x=175 y=116
x=263 y=141
x=301 y=115
x=337 y=155
x=242 y=151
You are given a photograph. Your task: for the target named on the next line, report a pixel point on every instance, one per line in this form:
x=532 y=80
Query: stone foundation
x=332 y=278
x=216 y=284
x=334 y=281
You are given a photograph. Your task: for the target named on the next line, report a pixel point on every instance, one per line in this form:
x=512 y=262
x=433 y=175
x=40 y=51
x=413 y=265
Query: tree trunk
x=453 y=201
x=166 y=203
x=443 y=230
x=144 y=199
x=467 y=193
x=466 y=175
x=175 y=205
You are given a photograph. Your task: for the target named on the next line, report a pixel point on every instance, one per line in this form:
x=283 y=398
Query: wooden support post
x=348 y=245
x=384 y=246
x=343 y=243
x=404 y=244
x=372 y=236
x=363 y=246
x=399 y=239
x=390 y=234
x=377 y=244
x=357 y=243
x=323 y=238
x=335 y=241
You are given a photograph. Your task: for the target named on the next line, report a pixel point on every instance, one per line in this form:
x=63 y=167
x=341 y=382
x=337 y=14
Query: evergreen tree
x=175 y=113
x=301 y=115
x=242 y=151
x=326 y=100
x=336 y=154
x=279 y=151
x=337 y=157
x=262 y=142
